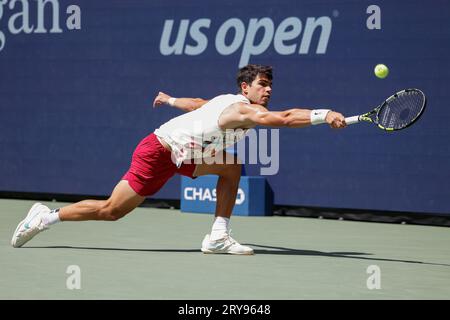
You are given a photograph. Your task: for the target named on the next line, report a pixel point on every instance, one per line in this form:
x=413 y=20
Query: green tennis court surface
x=155 y=254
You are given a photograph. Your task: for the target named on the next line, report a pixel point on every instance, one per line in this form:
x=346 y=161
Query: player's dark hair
x=251 y=71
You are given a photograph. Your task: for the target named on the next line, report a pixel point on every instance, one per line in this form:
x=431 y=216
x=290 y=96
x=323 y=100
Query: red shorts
x=152 y=166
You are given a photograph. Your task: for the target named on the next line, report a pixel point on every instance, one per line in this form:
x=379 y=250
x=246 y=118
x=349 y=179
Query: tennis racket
x=397 y=112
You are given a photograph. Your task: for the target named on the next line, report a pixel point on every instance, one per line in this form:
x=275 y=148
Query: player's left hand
x=160 y=99
x=336 y=120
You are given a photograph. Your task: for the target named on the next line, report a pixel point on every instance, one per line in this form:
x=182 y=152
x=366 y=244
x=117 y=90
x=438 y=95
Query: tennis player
x=175 y=148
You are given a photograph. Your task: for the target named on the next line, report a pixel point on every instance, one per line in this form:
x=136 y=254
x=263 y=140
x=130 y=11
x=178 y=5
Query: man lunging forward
x=176 y=147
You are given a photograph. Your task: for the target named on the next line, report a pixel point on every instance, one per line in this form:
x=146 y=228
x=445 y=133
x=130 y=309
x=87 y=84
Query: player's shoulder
x=230 y=97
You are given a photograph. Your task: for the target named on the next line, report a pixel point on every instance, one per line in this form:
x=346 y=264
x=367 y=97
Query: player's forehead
x=262 y=79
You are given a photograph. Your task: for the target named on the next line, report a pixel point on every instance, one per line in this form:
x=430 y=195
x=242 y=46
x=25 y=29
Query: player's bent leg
x=227 y=187
x=122 y=200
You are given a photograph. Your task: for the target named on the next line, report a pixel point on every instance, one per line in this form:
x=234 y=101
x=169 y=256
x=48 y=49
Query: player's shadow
x=264 y=250
x=349 y=255
x=113 y=249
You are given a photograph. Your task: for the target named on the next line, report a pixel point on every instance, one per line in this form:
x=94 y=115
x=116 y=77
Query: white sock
x=219 y=228
x=51 y=218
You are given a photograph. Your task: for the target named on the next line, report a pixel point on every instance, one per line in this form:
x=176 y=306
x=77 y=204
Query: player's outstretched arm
x=185 y=104
x=245 y=115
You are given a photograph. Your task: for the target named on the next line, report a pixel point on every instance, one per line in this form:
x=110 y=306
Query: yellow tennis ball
x=381 y=71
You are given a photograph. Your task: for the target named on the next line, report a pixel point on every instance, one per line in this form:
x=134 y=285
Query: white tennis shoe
x=226 y=244
x=30 y=226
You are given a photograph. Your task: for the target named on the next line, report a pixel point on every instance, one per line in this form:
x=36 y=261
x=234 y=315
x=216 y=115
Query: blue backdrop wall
x=75 y=95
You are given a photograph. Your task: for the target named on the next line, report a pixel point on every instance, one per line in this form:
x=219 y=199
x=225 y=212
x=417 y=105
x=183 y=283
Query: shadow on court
x=267 y=250
x=350 y=255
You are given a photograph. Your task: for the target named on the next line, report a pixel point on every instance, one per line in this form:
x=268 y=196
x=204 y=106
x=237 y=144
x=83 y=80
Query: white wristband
x=318 y=116
x=171 y=101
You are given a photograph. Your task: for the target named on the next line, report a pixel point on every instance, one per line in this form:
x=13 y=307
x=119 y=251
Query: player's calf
x=107 y=211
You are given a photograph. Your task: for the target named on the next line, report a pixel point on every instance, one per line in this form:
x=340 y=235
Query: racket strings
x=401 y=110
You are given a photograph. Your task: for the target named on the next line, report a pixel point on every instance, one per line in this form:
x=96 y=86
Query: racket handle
x=352 y=120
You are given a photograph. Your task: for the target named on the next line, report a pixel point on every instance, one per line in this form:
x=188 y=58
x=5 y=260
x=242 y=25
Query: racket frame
x=367 y=116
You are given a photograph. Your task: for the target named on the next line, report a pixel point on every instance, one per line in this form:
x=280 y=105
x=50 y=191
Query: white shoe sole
x=17 y=243
x=206 y=251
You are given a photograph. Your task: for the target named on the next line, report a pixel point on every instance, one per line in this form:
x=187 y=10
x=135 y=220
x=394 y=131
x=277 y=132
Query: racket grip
x=352 y=120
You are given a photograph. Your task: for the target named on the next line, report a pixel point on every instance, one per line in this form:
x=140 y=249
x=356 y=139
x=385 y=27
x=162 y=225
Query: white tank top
x=196 y=134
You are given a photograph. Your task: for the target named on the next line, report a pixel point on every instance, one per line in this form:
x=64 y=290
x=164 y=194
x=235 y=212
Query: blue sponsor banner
x=78 y=77
x=254 y=197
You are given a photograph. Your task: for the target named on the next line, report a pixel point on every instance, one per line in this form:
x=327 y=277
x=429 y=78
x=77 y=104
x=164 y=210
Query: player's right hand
x=160 y=99
x=336 y=120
